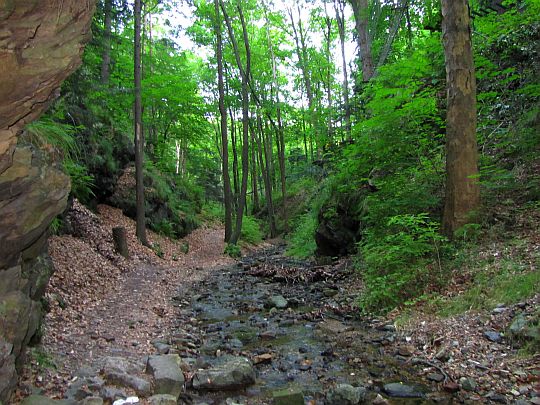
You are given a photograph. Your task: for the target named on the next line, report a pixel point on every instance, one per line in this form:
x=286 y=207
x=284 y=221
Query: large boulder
x=41 y=43
x=230 y=373
x=168 y=377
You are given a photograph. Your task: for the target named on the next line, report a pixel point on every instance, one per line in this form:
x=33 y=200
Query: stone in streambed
x=493 y=336
x=168 y=377
x=278 y=301
x=138 y=384
x=468 y=384
x=162 y=399
x=400 y=390
x=346 y=394
x=436 y=377
x=229 y=374
x=289 y=396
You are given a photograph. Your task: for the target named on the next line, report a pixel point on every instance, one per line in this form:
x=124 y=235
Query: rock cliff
x=41 y=43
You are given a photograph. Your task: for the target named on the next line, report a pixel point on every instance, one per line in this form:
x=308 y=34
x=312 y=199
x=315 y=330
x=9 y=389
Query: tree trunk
x=329 y=75
x=280 y=136
x=223 y=115
x=120 y=241
x=462 y=196
x=236 y=188
x=361 y=14
x=139 y=136
x=301 y=52
x=106 y=58
x=254 y=175
x=265 y=166
x=245 y=73
x=340 y=16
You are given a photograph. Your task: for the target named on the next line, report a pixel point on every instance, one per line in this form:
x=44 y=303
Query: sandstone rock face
x=41 y=43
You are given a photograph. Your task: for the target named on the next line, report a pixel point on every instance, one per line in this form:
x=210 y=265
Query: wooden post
x=120 y=241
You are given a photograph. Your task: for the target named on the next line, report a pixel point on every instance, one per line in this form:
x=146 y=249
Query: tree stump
x=120 y=241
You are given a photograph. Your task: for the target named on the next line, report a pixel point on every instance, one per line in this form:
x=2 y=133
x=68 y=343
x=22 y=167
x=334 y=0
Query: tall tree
x=245 y=75
x=462 y=188
x=339 y=7
x=361 y=17
x=106 y=56
x=223 y=114
x=139 y=136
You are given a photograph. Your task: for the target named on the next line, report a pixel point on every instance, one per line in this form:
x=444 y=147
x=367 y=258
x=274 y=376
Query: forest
x=399 y=139
x=319 y=121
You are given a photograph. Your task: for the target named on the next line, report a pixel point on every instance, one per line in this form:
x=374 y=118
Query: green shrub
x=82 y=183
x=232 y=250
x=164 y=227
x=301 y=240
x=399 y=265
x=212 y=212
x=251 y=230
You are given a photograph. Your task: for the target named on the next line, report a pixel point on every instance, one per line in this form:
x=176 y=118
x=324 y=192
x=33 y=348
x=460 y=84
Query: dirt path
x=103 y=305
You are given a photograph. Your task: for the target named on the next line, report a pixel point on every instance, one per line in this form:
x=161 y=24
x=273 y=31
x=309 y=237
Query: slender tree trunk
x=106 y=59
x=462 y=196
x=329 y=76
x=236 y=181
x=361 y=16
x=301 y=52
x=265 y=165
x=280 y=136
x=223 y=115
x=245 y=112
x=254 y=174
x=340 y=17
x=139 y=136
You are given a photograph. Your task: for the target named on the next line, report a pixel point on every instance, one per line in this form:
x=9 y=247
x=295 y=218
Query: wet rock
x=115 y=364
x=499 y=310
x=406 y=351
x=161 y=347
x=400 y=390
x=495 y=397
x=138 y=384
x=451 y=386
x=229 y=374
x=379 y=400
x=436 y=377
x=268 y=335
x=468 y=384
x=112 y=393
x=523 y=329
x=333 y=326
x=168 y=377
x=84 y=387
x=442 y=355
x=345 y=394
x=263 y=358
x=278 y=301
x=493 y=336
x=289 y=396
x=162 y=399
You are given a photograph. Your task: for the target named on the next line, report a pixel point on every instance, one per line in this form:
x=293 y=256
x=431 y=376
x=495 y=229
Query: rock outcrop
x=41 y=43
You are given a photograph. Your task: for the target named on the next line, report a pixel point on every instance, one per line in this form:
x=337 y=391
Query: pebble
x=493 y=336
x=436 y=377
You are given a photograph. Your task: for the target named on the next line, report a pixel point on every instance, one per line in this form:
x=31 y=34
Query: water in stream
x=304 y=337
